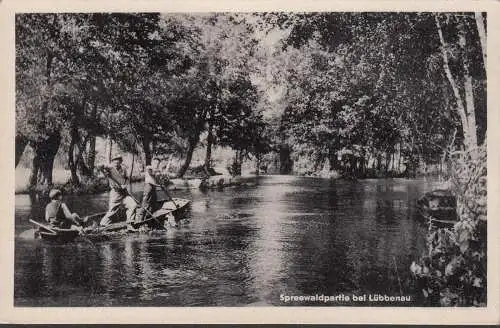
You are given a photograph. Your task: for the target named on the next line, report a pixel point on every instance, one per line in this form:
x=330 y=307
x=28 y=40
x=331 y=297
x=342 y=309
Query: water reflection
x=242 y=246
x=267 y=255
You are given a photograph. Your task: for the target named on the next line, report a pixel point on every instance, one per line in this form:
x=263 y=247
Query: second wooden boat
x=438 y=207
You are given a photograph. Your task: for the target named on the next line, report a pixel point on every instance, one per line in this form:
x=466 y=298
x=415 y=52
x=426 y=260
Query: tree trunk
x=21 y=143
x=91 y=154
x=399 y=158
x=362 y=164
x=469 y=129
x=393 y=160
x=236 y=164
x=110 y=149
x=146 y=146
x=318 y=162
x=35 y=166
x=333 y=160
x=72 y=161
x=481 y=29
x=154 y=146
x=43 y=162
x=241 y=157
x=471 y=112
x=257 y=159
x=189 y=156
x=387 y=160
x=286 y=163
x=84 y=170
x=469 y=93
x=208 y=156
x=81 y=165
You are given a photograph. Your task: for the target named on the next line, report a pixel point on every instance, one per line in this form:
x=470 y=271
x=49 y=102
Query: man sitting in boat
x=58 y=214
x=118 y=196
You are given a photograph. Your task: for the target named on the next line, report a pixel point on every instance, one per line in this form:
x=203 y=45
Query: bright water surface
x=242 y=246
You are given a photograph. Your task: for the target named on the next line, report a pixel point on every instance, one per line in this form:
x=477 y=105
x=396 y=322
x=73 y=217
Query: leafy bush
x=454 y=271
x=88 y=186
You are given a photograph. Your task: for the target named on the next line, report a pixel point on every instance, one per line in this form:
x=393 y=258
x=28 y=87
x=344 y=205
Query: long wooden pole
x=43 y=226
x=164 y=188
x=131 y=170
x=168 y=195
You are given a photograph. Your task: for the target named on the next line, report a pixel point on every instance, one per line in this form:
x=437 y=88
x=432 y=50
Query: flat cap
x=54 y=193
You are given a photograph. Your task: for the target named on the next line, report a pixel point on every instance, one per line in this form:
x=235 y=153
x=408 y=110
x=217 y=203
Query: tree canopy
x=371 y=86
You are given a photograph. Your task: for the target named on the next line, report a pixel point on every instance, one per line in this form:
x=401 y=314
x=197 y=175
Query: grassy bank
x=221 y=158
x=61 y=179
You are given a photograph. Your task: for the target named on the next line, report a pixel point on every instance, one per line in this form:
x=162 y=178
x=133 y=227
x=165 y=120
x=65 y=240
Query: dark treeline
x=384 y=89
x=362 y=94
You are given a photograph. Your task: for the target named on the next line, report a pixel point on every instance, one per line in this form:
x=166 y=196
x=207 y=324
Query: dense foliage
x=148 y=82
x=374 y=85
x=362 y=93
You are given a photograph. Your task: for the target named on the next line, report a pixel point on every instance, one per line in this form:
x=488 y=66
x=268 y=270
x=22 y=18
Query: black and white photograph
x=250 y=159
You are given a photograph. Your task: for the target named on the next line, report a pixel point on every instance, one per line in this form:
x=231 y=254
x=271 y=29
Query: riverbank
x=61 y=178
x=221 y=180
x=372 y=174
x=99 y=184
x=192 y=178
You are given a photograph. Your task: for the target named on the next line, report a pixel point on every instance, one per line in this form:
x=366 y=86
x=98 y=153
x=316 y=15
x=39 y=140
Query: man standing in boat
x=58 y=214
x=118 y=195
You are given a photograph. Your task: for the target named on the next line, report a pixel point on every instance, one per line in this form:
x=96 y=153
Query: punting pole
x=163 y=187
x=168 y=195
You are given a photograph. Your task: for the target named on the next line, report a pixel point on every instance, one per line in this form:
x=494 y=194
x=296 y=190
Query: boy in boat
x=149 y=196
x=118 y=195
x=149 y=204
x=58 y=214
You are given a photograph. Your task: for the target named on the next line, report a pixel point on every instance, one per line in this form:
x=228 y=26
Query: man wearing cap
x=118 y=196
x=58 y=214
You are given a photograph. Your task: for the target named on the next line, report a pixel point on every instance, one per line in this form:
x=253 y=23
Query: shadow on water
x=242 y=246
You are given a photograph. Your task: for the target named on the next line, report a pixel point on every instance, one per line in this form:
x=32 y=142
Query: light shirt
x=53 y=211
x=149 y=176
x=118 y=175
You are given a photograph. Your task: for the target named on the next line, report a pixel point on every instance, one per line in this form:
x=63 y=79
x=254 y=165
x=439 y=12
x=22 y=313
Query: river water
x=243 y=246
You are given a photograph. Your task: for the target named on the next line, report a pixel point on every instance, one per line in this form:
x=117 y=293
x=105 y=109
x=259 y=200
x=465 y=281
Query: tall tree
x=462 y=80
x=40 y=75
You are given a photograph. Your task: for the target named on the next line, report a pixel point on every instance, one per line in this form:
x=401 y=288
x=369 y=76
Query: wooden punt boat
x=177 y=208
x=438 y=207
x=53 y=234
x=170 y=210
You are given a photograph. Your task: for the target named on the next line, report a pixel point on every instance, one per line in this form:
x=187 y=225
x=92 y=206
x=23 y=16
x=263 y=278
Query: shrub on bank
x=89 y=186
x=92 y=185
x=453 y=272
